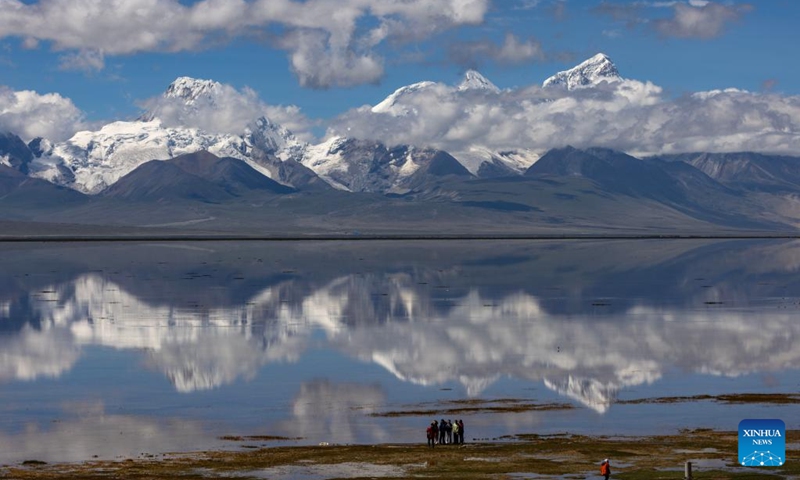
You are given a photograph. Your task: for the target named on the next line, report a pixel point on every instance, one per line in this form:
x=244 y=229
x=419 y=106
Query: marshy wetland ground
x=712 y=453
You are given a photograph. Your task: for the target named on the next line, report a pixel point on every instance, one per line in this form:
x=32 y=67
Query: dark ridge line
x=367 y=238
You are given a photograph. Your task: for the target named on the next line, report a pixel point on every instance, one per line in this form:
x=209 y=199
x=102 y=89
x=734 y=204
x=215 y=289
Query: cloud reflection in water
x=431 y=326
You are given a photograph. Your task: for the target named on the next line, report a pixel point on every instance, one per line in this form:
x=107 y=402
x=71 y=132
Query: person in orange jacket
x=605 y=469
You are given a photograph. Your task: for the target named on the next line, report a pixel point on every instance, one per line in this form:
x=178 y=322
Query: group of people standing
x=445 y=432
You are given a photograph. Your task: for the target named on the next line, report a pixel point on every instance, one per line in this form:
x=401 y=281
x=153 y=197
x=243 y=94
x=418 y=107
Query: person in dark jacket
x=435 y=428
x=449 y=429
x=442 y=432
x=461 y=431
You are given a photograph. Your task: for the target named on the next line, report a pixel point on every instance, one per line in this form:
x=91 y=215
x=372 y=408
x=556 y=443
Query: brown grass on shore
x=527 y=456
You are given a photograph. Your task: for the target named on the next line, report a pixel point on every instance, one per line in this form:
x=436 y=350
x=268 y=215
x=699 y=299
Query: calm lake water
x=126 y=349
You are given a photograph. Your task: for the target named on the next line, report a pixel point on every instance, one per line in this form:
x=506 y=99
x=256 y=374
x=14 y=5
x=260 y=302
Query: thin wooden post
x=687 y=471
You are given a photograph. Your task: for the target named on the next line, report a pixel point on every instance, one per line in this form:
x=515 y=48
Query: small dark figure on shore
x=442 y=432
x=605 y=469
x=461 y=431
x=430 y=435
x=435 y=427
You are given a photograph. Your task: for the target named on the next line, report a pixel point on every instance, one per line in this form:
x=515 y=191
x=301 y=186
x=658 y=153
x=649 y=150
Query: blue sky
x=105 y=74
x=699 y=75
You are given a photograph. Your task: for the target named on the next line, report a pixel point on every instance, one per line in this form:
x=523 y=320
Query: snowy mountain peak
x=185 y=93
x=590 y=73
x=599 y=58
x=391 y=103
x=274 y=139
x=191 y=89
x=474 y=80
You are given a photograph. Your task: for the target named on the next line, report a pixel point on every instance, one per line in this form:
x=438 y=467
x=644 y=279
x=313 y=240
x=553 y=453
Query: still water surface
x=119 y=350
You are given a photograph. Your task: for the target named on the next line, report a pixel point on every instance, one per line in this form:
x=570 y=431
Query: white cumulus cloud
x=83 y=60
x=325 y=41
x=627 y=115
x=317 y=64
x=225 y=109
x=693 y=19
x=699 y=19
x=513 y=50
x=30 y=115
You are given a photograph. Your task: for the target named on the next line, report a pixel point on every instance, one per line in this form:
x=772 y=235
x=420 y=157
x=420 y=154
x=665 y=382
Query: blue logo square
x=762 y=443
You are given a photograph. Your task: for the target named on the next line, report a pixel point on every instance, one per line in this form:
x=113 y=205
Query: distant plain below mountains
x=567 y=192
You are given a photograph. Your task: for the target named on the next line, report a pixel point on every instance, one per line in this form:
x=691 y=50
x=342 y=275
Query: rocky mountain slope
x=198 y=176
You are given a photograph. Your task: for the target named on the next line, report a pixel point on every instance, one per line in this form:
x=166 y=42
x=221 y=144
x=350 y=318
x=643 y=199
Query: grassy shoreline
x=713 y=454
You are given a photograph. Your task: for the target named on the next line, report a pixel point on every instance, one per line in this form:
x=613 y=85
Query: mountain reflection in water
x=586 y=319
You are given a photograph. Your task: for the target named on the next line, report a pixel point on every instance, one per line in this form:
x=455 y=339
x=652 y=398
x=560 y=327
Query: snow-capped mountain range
x=400 y=104
x=368 y=166
x=91 y=161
